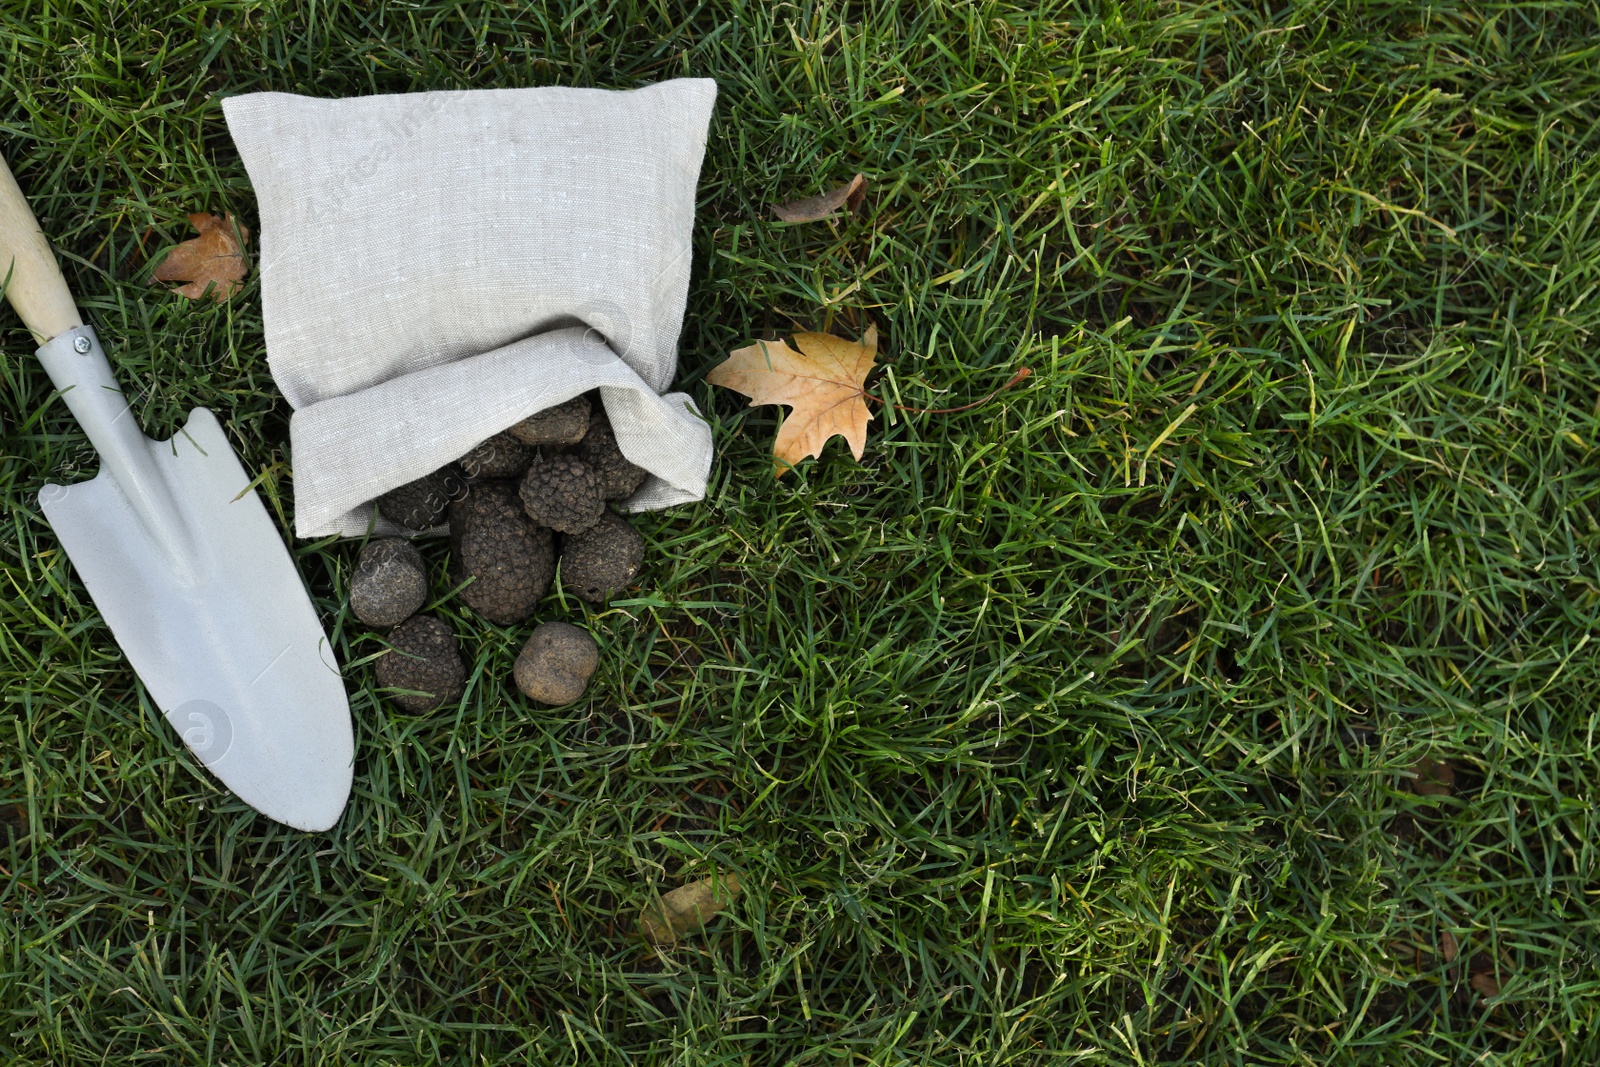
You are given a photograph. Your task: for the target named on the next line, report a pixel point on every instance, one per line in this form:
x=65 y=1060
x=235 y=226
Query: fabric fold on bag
x=436 y=267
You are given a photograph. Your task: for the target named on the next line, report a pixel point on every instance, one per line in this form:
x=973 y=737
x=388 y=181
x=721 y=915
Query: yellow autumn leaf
x=823 y=383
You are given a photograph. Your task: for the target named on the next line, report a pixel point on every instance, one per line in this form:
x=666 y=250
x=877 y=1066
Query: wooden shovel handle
x=37 y=289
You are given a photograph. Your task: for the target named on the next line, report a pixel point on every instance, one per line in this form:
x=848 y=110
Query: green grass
x=1076 y=728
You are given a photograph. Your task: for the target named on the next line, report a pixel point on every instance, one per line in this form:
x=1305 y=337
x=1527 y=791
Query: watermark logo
x=331 y=197
x=609 y=332
x=205 y=728
x=53 y=494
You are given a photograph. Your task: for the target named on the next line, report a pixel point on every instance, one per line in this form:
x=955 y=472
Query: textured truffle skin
x=563 y=493
x=564 y=424
x=597 y=564
x=390 y=583
x=420 y=505
x=493 y=542
x=426 y=658
x=501 y=456
x=619 y=479
x=555 y=665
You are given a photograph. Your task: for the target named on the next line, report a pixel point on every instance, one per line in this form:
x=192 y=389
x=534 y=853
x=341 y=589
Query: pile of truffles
x=515 y=503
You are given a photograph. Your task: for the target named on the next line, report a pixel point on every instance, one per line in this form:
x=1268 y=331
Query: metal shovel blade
x=211 y=613
x=186 y=568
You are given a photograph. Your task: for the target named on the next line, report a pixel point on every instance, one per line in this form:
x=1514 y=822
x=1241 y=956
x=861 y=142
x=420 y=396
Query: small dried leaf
x=687 y=908
x=824 y=383
x=1448 y=944
x=1483 y=979
x=16 y=817
x=1432 y=778
x=816 y=208
x=215 y=257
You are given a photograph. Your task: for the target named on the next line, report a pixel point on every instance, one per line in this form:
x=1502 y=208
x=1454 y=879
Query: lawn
x=1223 y=694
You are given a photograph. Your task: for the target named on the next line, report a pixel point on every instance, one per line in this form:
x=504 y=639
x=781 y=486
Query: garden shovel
x=187 y=569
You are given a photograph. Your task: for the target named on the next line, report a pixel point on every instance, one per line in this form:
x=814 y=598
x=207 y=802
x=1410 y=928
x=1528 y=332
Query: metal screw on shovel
x=187 y=569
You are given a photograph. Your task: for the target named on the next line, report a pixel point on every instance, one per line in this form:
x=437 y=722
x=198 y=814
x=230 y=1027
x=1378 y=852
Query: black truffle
x=390 y=583
x=619 y=479
x=420 y=505
x=501 y=456
x=493 y=542
x=563 y=493
x=556 y=663
x=425 y=659
x=564 y=424
x=596 y=564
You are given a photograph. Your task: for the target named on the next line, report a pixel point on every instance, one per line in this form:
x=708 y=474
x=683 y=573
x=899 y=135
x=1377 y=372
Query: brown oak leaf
x=213 y=258
x=824 y=383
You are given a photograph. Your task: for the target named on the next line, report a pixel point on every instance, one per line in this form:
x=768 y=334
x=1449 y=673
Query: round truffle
x=425 y=660
x=510 y=560
x=597 y=564
x=390 y=584
x=501 y=456
x=563 y=493
x=420 y=505
x=564 y=424
x=556 y=663
x=619 y=479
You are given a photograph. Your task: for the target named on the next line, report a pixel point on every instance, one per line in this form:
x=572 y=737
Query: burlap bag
x=436 y=267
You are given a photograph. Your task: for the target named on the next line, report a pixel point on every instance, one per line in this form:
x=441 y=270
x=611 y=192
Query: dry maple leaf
x=213 y=257
x=824 y=383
